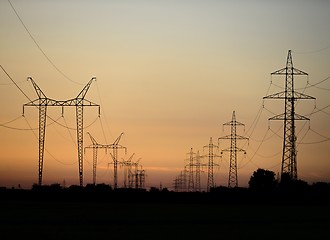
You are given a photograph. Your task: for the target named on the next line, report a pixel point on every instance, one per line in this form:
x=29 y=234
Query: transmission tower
x=191 y=171
x=115 y=146
x=140 y=178
x=233 y=137
x=95 y=146
x=289 y=155
x=184 y=179
x=42 y=102
x=176 y=184
x=180 y=181
x=132 y=180
x=194 y=181
x=198 y=172
x=210 y=173
x=127 y=164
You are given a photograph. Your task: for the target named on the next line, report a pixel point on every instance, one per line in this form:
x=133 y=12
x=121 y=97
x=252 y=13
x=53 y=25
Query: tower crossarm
x=238 y=137
x=118 y=139
x=37 y=88
x=76 y=102
x=92 y=139
x=233 y=122
x=283 y=117
x=284 y=71
x=84 y=91
x=281 y=95
x=233 y=149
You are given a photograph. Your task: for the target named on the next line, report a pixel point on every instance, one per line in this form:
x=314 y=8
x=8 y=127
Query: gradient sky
x=169 y=74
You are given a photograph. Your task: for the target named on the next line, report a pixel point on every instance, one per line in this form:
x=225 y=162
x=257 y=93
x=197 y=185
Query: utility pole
x=233 y=137
x=210 y=173
x=289 y=155
x=42 y=102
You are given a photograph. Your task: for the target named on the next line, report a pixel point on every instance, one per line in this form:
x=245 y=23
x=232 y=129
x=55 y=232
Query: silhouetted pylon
x=233 y=137
x=115 y=146
x=210 y=166
x=191 y=171
x=290 y=96
x=42 y=102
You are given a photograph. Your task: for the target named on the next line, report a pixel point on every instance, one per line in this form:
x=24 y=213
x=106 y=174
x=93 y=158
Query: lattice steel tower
x=42 y=102
x=289 y=156
x=210 y=166
x=191 y=186
x=198 y=173
x=233 y=137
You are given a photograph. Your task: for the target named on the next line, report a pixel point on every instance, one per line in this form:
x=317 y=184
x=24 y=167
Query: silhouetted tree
x=262 y=180
x=287 y=184
x=154 y=189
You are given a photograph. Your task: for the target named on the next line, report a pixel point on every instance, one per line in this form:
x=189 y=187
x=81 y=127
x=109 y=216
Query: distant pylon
x=289 y=155
x=115 y=146
x=95 y=146
x=127 y=164
x=210 y=173
x=198 y=173
x=233 y=137
x=191 y=171
x=42 y=102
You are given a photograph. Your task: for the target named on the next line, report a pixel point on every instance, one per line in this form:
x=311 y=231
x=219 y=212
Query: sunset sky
x=168 y=75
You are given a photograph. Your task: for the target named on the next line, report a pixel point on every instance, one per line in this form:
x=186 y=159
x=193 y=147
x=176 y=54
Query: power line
x=15 y=83
x=313 y=51
x=40 y=49
x=250 y=160
x=106 y=122
x=24 y=129
x=321 y=110
x=315 y=85
x=6 y=84
x=3 y=124
x=46 y=148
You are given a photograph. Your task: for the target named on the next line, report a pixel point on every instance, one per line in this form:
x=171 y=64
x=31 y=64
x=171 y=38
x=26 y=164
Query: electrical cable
x=313 y=51
x=15 y=83
x=7 y=84
x=317 y=83
x=3 y=124
x=24 y=129
x=46 y=148
x=104 y=113
x=263 y=156
x=75 y=143
x=250 y=160
x=38 y=46
x=321 y=110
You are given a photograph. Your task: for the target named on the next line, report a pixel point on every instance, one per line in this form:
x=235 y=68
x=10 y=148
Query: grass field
x=21 y=219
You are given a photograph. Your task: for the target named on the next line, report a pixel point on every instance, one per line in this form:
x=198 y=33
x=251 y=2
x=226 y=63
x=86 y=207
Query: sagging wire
x=38 y=46
x=46 y=148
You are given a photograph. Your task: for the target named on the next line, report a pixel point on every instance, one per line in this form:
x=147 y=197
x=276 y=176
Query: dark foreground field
x=27 y=217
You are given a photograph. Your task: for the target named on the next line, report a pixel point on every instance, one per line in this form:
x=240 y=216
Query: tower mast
x=233 y=137
x=290 y=96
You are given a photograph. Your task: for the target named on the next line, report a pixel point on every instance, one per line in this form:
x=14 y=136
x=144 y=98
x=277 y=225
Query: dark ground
x=146 y=215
